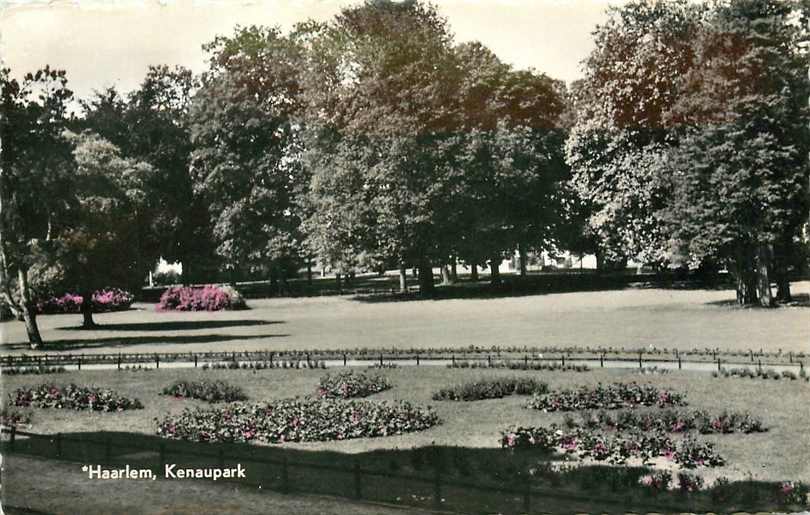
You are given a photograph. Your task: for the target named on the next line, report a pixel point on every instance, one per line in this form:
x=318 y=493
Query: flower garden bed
x=104 y=300
x=73 y=397
x=520 y=365
x=671 y=421
x=207 y=298
x=211 y=391
x=761 y=373
x=490 y=389
x=297 y=420
x=263 y=365
x=35 y=370
x=610 y=397
x=347 y=385
x=615 y=448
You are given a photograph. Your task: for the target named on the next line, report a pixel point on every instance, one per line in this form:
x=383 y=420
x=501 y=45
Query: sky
x=104 y=43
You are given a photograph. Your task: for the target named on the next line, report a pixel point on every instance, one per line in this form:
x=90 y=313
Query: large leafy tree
x=245 y=164
x=740 y=174
x=34 y=180
x=380 y=86
x=631 y=80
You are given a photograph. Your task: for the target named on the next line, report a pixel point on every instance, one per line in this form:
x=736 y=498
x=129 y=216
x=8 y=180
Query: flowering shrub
x=672 y=421
x=346 y=385
x=211 y=391
x=72 y=397
x=207 y=298
x=262 y=365
x=104 y=300
x=616 y=448
x=688 y=483
x=613 y=396
x=297 y=420
x=490 y=389
x=520 y=365
x=792 y=493
x=758 y=373
x=37 y=370
x=657 y=481
x=10 y=418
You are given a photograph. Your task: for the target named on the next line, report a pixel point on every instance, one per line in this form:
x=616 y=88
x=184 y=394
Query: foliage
x=9 y=417
x=490 y=389
x=297 y=420
x=73 y=397
x=519 y=365
x=612 y=396
x=347 y=385
x=104 y=300
x=210 y=391
x=207 y=298
x=37 y=370
x=672 y=421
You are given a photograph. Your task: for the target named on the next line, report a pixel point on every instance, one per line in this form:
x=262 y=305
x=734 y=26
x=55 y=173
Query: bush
x=37 y=370
x=613 y=396
x=490 y=389
x=72 y=397
x=207 y=298
x=104 y=300
x=297 y=420
x=211 y=391
x=346 y=385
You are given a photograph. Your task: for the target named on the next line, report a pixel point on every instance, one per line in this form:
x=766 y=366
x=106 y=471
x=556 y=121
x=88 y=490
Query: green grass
x=631 y=318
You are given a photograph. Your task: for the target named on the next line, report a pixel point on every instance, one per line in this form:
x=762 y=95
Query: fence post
x=119 y=361
x=381 y=359
x=80 y=363
x=58 y=441
x=417 y=359
x=437 y=488
x=751 y=354
x=195 y=361
x=344 y=359
x=680 y=365
x=157 y=361
x=285 y=477
x=489 y=360
x=640 y=365
x=453 y=358
x=602 y=360
x=563 y=360
x=791 y=357
x=719 y=368
x=358 y=492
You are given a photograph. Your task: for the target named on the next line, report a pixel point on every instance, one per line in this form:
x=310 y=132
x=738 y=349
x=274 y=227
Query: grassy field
x=632 y=318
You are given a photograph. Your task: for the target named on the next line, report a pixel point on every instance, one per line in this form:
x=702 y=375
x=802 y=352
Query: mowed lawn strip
x=776 y=455
x=631 y=318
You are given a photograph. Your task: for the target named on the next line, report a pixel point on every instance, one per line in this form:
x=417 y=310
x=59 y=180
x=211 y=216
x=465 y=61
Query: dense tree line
x=376 y=141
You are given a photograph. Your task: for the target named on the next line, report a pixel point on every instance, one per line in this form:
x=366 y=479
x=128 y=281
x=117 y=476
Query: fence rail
x=528 y=356
x=522 y=498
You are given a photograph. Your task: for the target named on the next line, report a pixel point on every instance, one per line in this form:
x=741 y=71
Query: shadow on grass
x=177 y=325
x=799 y=301
x=460 y=479
x=128 y=341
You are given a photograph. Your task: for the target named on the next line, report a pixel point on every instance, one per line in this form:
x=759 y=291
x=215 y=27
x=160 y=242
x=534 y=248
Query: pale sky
x=111 y=42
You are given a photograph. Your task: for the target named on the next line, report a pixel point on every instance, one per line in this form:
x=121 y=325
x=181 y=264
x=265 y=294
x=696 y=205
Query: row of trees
x=375 y=140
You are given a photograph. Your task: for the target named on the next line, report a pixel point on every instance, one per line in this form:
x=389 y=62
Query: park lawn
x=777 y=455
x=631 y=318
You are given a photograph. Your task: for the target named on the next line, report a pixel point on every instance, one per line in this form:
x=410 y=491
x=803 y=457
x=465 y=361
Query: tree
x=110 y=191
x=33 y=179
x=620 y=135
x=245 y=163
x=380 y=86
x=740 y=174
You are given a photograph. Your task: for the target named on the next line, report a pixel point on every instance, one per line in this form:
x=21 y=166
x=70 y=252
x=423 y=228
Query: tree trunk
x=29 y=312
x=473 y=272
x=454 y=269
x=309 y=272
x=87 y=310
x=745 y=277
x=446 y=279
x=426 y=288
x=522 y=260
x=403 y=278
x=494 y=270
x=339 y=285
x=763 y=276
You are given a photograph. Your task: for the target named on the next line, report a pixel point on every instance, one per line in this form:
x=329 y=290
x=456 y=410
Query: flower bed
x=211 y=391
x=610 y=397
x=207 y=298
x=104 y=300
x=37 y=370
x=297 y=420
x=263 y=365
x=614 y=448
x=73 y=397
x=347 y=385
x=490 y=389
x=10 y=418
x=760 y=373
x=520 y=365
x=672 y=421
